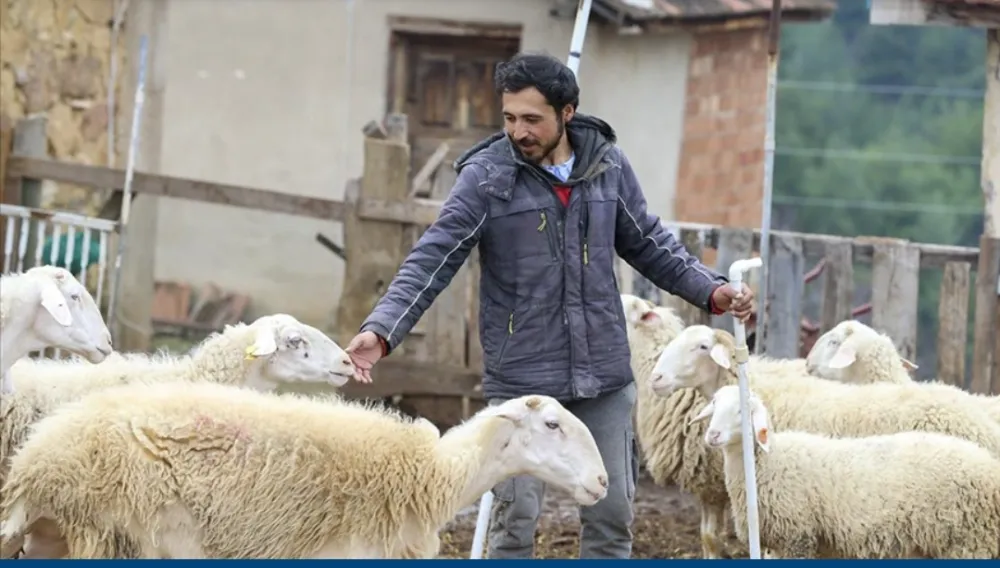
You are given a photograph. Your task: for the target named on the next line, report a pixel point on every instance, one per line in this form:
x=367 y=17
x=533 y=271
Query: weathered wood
x=786 y=287
x=427 y=170
x=373 y=247
x=734 y=244
x=100 y=177
x=953 y=324
x=30 y=139
x=985 y=333
x=691 y=314
x=447 y=318
x=394 y=375
x=6 y=140
x=895 y=287
x=838 y=285
x=990 y=170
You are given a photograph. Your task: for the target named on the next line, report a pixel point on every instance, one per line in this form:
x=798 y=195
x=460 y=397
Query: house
x=273 y=94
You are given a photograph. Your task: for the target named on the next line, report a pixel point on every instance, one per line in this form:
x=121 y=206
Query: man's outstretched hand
x=364 y=350
x=741 y=303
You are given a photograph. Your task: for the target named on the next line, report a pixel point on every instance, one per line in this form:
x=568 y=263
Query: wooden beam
x=895 y=287
x=990 y=170
x=953 y=324
x=404 y=376
x=423 y=176
x=784 y=312
x=838 y=285
x=100 y=177
x=985 y=335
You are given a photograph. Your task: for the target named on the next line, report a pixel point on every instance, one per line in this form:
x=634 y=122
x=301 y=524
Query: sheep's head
x=643 y=314
x=291 y=351
x=836 y=350
x=550 y=443
x=65 y=315
x=725 y=426
x=693 y=359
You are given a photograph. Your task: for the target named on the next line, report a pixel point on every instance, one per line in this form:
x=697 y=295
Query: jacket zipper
x=544 y=227
x=510 y=332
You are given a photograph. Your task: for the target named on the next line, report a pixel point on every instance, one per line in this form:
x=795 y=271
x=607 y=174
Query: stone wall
x=56 y=60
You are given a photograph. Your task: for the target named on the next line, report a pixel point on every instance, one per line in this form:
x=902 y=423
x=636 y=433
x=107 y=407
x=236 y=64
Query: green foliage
x=832 y=172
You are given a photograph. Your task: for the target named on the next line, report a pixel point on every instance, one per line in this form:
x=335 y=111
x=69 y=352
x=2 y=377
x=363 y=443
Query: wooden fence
x=438 y=366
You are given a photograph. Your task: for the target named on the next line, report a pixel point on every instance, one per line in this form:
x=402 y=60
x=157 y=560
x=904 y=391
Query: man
x=549 y=202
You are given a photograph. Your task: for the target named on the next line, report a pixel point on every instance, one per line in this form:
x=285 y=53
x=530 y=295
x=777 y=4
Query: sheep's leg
x=713 y=518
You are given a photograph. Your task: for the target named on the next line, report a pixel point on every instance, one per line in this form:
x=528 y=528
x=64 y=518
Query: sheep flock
x=132 y=455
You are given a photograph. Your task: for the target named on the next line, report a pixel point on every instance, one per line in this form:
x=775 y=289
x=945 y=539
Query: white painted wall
x=259 y=93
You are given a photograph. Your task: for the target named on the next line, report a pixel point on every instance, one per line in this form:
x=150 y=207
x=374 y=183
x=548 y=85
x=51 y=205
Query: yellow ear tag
x=250 y=355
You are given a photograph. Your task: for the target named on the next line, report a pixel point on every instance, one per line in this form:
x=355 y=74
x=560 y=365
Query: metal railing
x=58 y=232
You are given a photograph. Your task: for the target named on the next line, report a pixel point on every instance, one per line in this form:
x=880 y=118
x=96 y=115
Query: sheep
x=853 y=352
x=704 y=358
x=70 y=320
x=901 y=495
x=672 y=451
x=209 y=470
x=273 y=350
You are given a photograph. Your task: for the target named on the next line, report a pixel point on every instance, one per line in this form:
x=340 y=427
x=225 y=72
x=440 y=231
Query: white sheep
x=902 y=495
x=852 y=352
x=704 y=358
x=673 y=451
x=273 y=350
x=208 y=470
x=46 y=306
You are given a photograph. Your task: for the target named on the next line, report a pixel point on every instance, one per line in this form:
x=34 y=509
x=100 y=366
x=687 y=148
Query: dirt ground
x=666 y=526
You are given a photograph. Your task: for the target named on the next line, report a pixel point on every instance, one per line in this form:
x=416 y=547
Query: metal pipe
x=133 y=146
x=774 y=34
x=736 y=270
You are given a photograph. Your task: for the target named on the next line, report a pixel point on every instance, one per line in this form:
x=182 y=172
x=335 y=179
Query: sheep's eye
x=704 y=347
x=75 y=297
x=552 y=424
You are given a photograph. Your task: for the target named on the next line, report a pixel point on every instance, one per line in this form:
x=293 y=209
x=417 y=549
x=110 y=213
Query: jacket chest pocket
x=599 y=219
x=521 y=230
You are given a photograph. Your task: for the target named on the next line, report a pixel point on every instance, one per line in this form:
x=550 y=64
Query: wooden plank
x=100 y=177
x=6 y=140
x=396 y=375
x=427 y=170
x=692 y=315
x=895 y=288
x=984 y=353
x=838 y=285
x=373 y=247
x=786 y=289
x=953 y=324
x=989 y=172
x=734 y=244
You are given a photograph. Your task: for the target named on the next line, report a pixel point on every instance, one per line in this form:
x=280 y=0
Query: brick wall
x=721 y=169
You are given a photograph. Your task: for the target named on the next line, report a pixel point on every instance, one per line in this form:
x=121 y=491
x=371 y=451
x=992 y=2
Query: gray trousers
x=606 y=528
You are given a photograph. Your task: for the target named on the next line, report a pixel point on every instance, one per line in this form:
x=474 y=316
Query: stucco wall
x=258 y=93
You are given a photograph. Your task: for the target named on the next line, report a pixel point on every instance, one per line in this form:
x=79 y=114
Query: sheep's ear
x=909 y=365
x=758 y=421
x=705 y=413
x=844 y=356
x=263 y=344
x=55 y=303
x=719 y=355
x=649 y=316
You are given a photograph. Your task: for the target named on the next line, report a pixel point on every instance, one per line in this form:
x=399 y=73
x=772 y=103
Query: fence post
x=373 y=247
x=786 y=285
x=985 y=361
x=895 y=288
x=953 y=323
x=30 y=140
x=838 y=284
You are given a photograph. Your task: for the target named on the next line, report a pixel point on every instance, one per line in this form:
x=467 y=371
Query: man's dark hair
x=550 y=76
